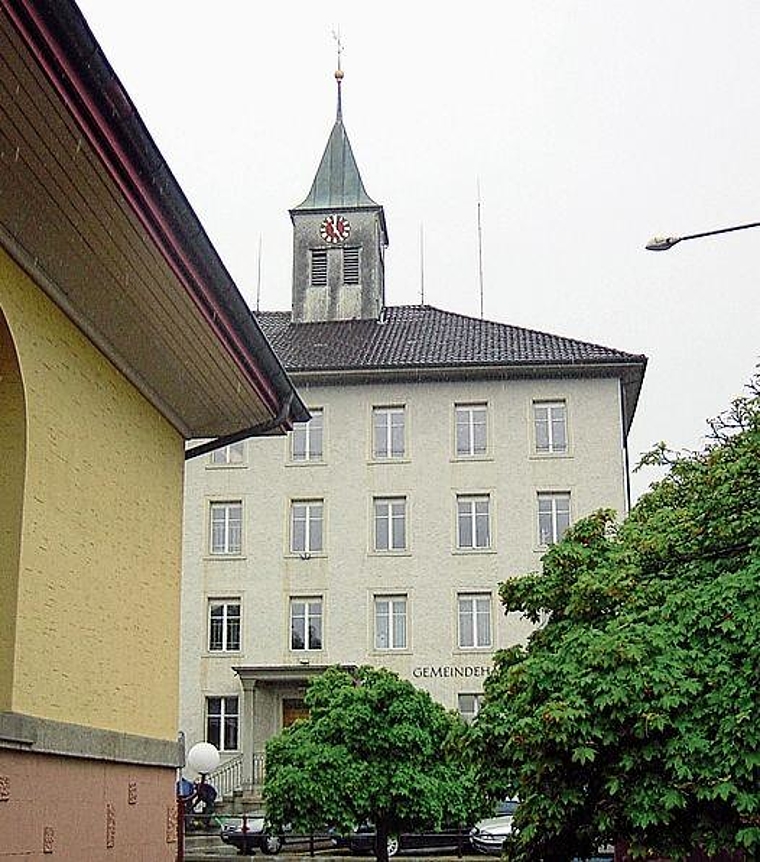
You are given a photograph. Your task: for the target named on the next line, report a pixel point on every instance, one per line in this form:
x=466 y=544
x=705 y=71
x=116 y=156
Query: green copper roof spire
x=337 y=184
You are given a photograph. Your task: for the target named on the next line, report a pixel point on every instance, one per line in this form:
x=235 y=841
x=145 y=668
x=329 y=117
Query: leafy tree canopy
x=374 y=749
x=634 y=712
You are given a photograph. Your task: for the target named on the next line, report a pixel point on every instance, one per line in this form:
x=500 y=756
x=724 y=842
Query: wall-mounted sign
x=449 y=671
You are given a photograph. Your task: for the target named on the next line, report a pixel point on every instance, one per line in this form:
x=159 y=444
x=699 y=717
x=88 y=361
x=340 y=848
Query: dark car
x=250 y=832
x=362 y=840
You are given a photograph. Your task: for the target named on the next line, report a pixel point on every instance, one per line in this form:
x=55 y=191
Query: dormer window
x=318 y=274
x=351 y=265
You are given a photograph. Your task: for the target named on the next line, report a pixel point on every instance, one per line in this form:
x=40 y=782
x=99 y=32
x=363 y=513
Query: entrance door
x=293 y=709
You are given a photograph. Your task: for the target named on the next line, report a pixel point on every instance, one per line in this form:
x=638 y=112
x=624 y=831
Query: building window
x=224 y=625
x=473 y=521
x=390 y=622
x=553 y=517
x=222 y=722
x=550 y=423
x=318 y=274
x=388 y=432
x=306 y=624
x=351 y=265
x=475 y=620
x=471 y=430
x=306 y=438
x=390 y=524
x=469 y=705
x=226 y=528
x=234 y=453
x=306 y=526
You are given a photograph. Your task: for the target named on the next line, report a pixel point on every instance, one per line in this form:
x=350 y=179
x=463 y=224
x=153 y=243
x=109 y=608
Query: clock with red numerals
x=334 y=229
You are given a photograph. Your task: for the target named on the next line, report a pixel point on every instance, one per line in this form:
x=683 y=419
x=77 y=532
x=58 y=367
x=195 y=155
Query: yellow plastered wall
x=97 y=614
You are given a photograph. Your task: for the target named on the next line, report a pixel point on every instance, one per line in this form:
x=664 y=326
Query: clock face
x=335 y=228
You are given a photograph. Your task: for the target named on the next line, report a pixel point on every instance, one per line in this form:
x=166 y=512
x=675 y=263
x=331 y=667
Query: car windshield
x=506 y=807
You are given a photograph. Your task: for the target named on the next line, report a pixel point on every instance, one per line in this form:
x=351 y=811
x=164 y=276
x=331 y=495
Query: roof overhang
x=630 y=373
x=90 y=209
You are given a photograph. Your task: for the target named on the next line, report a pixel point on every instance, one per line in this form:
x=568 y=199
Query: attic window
x=351 y=265
x=318 y=276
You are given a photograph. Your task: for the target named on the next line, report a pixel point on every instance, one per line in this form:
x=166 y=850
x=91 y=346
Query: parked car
x=362 y=840
x=250 y=832
x=488 y=836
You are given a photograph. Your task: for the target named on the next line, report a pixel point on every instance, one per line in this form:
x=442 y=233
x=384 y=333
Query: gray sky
x=591 y=126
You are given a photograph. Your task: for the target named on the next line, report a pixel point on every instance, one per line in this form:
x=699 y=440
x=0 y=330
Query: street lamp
x=663 y=243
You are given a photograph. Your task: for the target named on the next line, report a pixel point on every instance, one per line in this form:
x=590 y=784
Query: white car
x=488 y=835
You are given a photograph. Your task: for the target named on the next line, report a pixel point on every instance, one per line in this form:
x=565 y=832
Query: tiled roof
x=420 y=336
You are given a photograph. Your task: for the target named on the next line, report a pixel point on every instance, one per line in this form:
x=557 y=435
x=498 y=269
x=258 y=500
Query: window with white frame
x=224 y=625
x=306 y=438
x=390 y=622
x=390 y=523
x=553 y=516
x=306 y=518
x=226 y=528
x=474 y=620
x=351 y=265
x=223 y=722
x=550 y=426
x=471 y=429
x=306 y=624
x=388 y=432
x=234 y=453
x=469 y=705
x=318 y=269
x=473 y=521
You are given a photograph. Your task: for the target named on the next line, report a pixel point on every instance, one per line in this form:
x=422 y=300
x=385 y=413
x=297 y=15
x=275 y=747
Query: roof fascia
x=73 y=62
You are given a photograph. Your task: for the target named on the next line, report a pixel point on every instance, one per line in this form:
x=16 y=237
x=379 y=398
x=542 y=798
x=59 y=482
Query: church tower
x=339 y=239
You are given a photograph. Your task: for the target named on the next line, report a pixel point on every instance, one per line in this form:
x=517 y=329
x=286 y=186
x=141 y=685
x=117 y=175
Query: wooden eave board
x=61 y=206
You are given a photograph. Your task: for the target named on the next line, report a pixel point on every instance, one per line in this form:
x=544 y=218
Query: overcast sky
x=589 y=126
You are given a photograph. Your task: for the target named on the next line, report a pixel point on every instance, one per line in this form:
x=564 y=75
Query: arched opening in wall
x=12 y=475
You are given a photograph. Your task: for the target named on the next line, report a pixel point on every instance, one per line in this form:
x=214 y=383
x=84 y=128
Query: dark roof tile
x=420 y=336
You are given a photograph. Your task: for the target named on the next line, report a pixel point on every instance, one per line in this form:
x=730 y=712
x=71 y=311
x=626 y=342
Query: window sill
x=305 y=556
x=550 y=456
x=393 y=554
x=405 y=460
x=477 y=650
x=462 y=459
x=222 y=653
x=225 y=557
x=226 y=466
x=476 y=551
x=378 y=651
x=309 y=463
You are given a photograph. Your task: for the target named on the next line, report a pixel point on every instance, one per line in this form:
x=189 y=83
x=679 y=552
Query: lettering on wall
x=449 y=671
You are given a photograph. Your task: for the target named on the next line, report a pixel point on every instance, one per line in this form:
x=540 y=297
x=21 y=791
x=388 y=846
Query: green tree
x=374 y=749
x=633 y=713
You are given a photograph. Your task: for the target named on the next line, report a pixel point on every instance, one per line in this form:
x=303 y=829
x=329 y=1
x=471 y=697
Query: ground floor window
x=469 y=705
x=223 y=722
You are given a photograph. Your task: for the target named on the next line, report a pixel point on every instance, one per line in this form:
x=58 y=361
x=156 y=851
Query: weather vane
x=338 y=71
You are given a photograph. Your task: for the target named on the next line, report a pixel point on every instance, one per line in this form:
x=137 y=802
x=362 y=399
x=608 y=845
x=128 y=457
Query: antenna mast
x=422 y=266
x=480 y=254
x=258 y=278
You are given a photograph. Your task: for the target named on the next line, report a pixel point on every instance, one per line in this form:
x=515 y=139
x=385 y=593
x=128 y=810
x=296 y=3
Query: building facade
x=100 y=388
x=443 y=456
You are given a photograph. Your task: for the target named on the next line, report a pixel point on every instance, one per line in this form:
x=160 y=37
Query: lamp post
x=663 y=243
